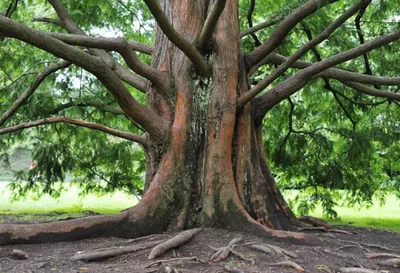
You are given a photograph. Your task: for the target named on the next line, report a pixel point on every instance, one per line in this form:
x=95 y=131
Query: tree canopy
x=334 y=134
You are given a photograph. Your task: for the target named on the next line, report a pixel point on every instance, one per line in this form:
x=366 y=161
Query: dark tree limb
x=155 y=125
x=102 y=106
x=124 y=74
x=210 y=24
x=120 y=45
x=187 y=48
x=284 y=27
x=299 y=53
x=257 y=42
x=91 y=125
x=288 y=87
x=373 y=91
x=336 y=73
x=54 y=21
x=265 y=24
x=31 y=89
x=360 y=34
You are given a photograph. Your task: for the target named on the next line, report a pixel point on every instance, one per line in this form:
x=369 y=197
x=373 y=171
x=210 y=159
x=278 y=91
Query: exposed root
x=367 y=245
x=223 y=252
x=381 y=255
x=147 y=238
x=233 y=269
x=289 y=264
x=271 y=249
x=173 y=260
x=68 y=230
x=18 y=254
x=391 y=262
x=112 y=252
x=314 y=221
x=334 y=230
x=354 y=245
x=356 y=270
x=175 y=241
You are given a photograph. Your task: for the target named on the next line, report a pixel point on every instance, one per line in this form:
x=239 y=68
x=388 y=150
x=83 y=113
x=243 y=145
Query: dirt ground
x=341 y=251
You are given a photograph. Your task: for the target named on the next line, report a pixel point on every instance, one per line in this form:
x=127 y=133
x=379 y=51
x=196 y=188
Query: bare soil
x=326 y=257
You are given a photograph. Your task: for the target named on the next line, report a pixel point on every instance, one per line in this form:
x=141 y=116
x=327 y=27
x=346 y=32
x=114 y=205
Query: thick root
x=68 y=230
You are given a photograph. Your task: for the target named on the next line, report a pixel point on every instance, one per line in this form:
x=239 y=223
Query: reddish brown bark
x=213 y=170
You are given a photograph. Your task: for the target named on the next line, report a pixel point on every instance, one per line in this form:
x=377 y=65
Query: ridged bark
x=212 y=171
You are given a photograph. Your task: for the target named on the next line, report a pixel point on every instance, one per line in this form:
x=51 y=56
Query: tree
x=202 y=126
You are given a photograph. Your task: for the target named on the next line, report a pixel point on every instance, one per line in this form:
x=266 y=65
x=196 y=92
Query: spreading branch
x=373 y=91
x=127 y=76
x=288 y=87
x=299 y=53
x=178 y=40
x=336 y=73
x=155 y=125
x=91 y=125
x=31 y=89
x=280 y=32
x=102 y=106
x=263 y=25
x=120 y=45
x=210 y=24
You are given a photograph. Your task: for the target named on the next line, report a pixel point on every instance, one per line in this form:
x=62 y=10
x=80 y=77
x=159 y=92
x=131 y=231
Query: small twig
x=148 y=237
x=356 y=270
x=367 y=245
x=381 y=255
x=288 y=264
x=172 y=260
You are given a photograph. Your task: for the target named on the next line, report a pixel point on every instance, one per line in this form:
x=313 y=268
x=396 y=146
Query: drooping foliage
x=324 y=139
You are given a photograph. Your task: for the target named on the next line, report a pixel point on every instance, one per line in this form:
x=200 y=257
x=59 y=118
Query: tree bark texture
x=212 y=172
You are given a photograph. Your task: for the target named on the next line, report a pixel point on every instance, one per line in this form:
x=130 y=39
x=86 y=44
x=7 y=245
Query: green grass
x=381 y=217
x=68 y=202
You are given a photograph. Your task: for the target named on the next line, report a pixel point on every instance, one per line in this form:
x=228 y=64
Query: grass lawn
x=68 y=202
x=382 y=217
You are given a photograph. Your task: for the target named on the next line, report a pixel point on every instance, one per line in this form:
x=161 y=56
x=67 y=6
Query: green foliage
x=348 y=142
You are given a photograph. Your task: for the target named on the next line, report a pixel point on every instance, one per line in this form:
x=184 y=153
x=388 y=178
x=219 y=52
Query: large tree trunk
x=213 y=172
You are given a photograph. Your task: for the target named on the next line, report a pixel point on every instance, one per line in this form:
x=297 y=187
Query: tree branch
x=372 y=91
x=125 y=75
x=336 y=73
x=160 y=79
x=265 y=24
x=286 y=88
x=151 y=122
x=91 y=125
x=210 y=24
x=103 y=106
x=31 y=89
x=250 y=21
x=299 y=53
x=53 y=21
x=360 y=34
x=280 y=32
x=187 y=48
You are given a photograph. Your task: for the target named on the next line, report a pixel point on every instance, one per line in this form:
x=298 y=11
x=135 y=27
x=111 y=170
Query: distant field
x=68 y=202
x=385 y=217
